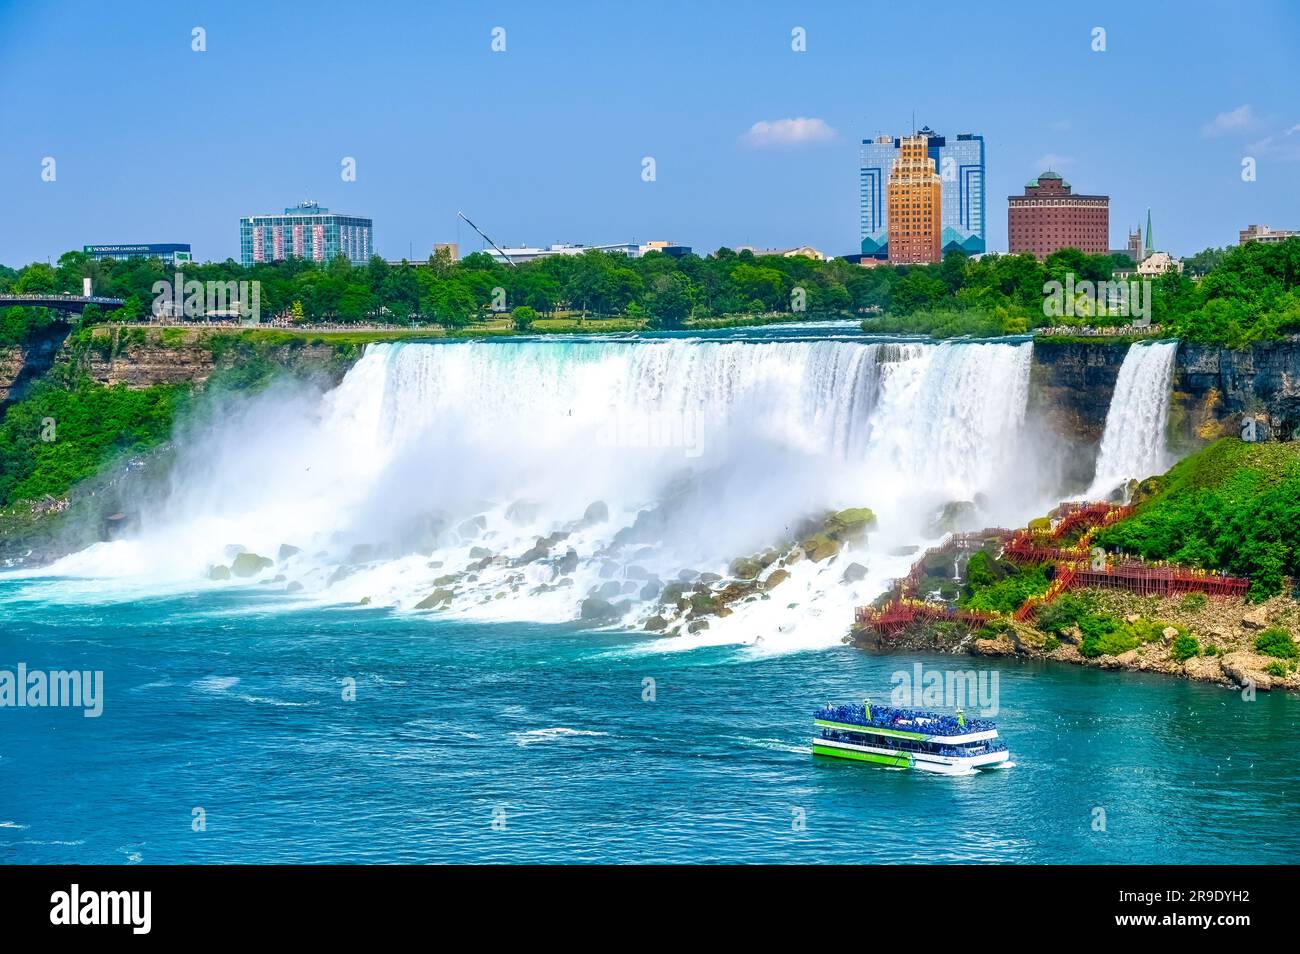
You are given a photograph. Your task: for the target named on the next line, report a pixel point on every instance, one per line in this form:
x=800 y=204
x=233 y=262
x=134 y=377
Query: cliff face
x=1213 y=389
x=22 y=364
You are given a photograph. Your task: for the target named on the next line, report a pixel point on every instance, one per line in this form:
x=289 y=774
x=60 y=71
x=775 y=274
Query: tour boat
x=908 y=738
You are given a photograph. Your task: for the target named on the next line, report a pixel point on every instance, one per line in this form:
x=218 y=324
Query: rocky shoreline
x=1225 y=631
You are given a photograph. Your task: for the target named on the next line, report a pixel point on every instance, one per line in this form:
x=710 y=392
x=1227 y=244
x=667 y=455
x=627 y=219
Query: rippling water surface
x=224 y=701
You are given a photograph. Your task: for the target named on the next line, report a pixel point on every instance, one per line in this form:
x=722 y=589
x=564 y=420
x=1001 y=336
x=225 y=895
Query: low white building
x=1159 y=263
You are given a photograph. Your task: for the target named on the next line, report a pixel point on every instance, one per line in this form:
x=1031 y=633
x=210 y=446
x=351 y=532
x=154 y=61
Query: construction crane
x=500 y=251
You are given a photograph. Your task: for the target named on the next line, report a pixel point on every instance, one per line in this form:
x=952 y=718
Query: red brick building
x=1050 y=217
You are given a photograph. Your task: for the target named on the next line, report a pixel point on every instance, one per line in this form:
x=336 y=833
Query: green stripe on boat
x=898 y=761
x=870 y=730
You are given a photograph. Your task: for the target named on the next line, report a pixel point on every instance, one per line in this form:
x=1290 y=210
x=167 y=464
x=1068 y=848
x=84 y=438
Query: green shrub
x=1276 y=642
x=1193 y=603
x=1051 y=644
x=1185 y=647
x=1278 y=668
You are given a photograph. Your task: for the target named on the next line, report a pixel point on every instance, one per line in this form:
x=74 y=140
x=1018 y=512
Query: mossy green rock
x=249 y=564
x=435 y=599
x=219 y=573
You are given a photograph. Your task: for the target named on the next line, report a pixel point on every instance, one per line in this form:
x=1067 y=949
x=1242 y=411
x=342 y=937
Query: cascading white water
x=441 y=465
x=1133 y=445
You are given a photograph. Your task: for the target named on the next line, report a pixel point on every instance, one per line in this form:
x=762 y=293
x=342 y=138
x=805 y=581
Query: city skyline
x=751 y=142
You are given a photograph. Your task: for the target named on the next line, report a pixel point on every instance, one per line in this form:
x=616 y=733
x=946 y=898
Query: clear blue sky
x=544 y=142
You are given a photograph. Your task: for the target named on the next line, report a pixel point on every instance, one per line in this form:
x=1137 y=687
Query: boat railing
x=902 y=720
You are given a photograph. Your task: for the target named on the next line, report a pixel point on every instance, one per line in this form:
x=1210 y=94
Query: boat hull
x=921 y=761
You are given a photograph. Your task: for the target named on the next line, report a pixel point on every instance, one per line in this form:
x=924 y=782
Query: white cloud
x=1241 y=119
x=1284 y=145
x=788 y=133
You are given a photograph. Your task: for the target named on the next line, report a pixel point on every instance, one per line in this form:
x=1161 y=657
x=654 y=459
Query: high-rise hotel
x=960 y=164
x=305 y=231
x=915 y=202
x=1051 y=216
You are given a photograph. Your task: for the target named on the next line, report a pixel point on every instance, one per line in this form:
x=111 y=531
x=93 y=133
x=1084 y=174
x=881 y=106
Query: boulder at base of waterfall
x=523 y=512
x=854 y=572
x=656 y=624
x=293 y=587
x=776 y=578
x=249 y=564
x=650 y=590
x=851 y=524
x=219 y=573
x=745 y=568
x=472 y=527
x=595 y=608
x=478 y=553
x=820 y=547
x=438 y=597
x=286 y=551
x=596 y=512
x=954 y=515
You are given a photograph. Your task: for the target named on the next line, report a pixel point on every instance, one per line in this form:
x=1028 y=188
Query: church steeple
x=1150 y=246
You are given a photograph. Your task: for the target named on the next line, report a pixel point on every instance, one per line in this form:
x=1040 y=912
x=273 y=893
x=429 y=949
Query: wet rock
x=776 y=578
x=286 y=551
x=445 y=580
x=596 y=512
x=365 y=601
x=636 y=573
x=708 y=579
x=478 y=553
x=233 y=550
x=745 y=568
x=595 y=608
x=609 y=589
x=523 y=512
x=650 y=590
x=955 y=515
x=904 y=551
x=567 y=563
x=697 y=625
x=439 y=597
x=361 y=553
x=340 y=573
x=293 y=587
x=608 y=569
x=821 y=547
x=472 y=527
x=851 y=524
x=854 y=572
x=656 y=624
x=219 y=573
x=249 y=564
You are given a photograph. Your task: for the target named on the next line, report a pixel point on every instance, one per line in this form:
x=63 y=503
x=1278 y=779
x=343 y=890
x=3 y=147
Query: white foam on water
x=701 y=450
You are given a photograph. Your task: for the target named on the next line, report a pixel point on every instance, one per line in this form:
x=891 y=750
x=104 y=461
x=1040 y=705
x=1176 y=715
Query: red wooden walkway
x=1072 y=564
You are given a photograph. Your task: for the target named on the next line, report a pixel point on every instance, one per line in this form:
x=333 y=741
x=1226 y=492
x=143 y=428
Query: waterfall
x=527 y=476
x=1133 y=443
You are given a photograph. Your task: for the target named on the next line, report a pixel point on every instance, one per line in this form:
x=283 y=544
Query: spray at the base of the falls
x=538 y=479
x=1133 y=445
